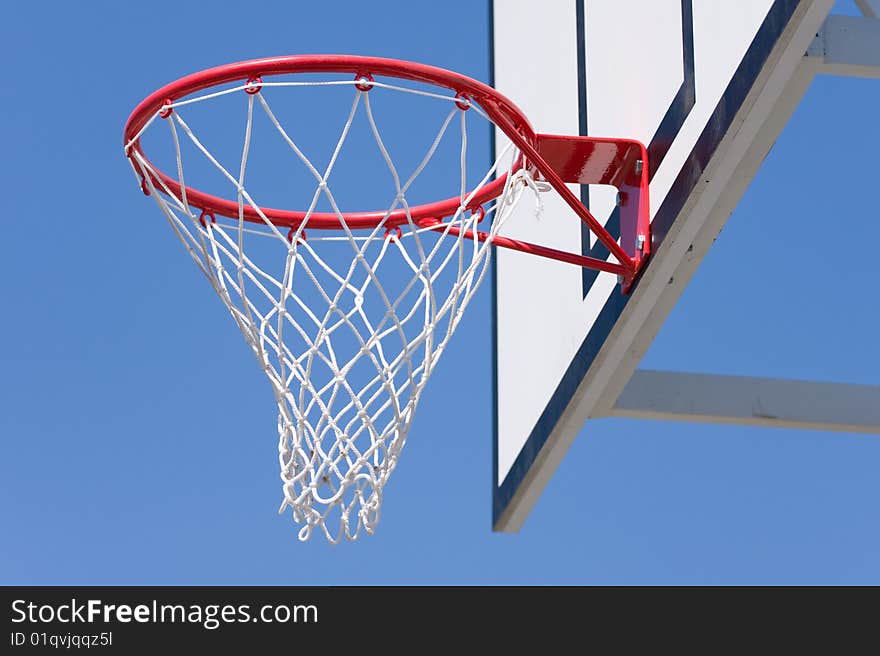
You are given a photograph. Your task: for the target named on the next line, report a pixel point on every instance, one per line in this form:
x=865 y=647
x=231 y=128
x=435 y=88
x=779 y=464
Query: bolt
x=639 y=167
x=640 y=242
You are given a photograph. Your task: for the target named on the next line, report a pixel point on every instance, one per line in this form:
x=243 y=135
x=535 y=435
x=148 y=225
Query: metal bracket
x=621 y=163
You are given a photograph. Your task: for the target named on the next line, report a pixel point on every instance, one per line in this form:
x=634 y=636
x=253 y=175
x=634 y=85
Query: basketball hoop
x=348 y=355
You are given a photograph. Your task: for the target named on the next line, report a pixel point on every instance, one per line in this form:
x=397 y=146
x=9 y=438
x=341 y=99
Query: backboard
x=707 y=86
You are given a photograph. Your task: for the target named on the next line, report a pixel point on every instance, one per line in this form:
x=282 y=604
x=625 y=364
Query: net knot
x=526 y=178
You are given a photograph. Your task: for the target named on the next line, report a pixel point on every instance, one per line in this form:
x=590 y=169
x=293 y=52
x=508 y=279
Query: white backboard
x=701 y=83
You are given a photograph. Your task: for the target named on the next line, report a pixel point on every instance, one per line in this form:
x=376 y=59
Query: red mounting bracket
x=622 y=163
x=562 y=160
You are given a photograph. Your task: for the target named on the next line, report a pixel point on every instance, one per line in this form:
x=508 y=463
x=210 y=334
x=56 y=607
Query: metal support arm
x=847 y=46
x=750 y=401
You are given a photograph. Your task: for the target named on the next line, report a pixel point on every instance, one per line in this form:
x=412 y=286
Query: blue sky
x=138 y=438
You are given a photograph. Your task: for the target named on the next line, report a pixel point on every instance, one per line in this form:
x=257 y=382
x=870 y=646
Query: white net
x=346 y=324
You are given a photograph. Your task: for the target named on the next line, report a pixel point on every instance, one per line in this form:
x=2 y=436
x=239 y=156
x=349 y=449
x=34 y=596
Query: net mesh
x=347 y=325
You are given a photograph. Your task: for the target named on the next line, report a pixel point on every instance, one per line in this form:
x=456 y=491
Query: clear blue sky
x=138 y=437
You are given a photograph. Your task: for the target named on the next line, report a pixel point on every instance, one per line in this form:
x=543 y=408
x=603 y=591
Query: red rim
x=500 y=110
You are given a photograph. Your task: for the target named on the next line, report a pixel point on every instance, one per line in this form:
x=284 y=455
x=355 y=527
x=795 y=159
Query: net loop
x=254 y=85
x=205 y=216
x=393 y=233
x=292 y=234
x=364 y=82
x=167 y=108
